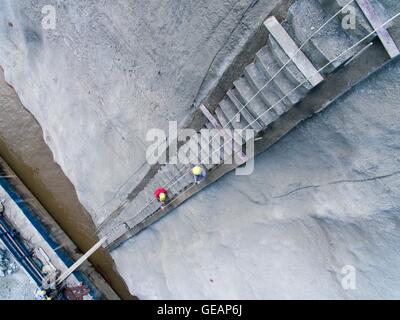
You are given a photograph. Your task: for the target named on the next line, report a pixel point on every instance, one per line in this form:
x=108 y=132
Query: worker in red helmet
x=161 y=195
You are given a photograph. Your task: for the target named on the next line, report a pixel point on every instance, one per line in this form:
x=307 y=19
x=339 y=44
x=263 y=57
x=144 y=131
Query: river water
x=22 y=146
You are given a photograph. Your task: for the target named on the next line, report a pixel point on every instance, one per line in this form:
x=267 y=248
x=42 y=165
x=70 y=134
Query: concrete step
x=164 y=176
x=185 y=171
x=148 y=192
x=195 y=145
x=145 y=195
x=291 y=71
x=251 y=121
x=174 y=176
x=161 y=179
x=170 y=178
x=182 y=168
x=172 y=189
x=289 y=46
x=304 y=18
x=146 y=202
x=257 y=106
x=205 y=149
x=140 y=201
x=227 y=134
x=220 y=147
x=180 y=179
x=225 y=122
x=212 y=140
x=151 y=207
x=258 y=79
x=205 y=157
x=270 y=67
x=229 y=148
x=142 y=197
x=185 y=174
x=190 y=156
x=230 y=112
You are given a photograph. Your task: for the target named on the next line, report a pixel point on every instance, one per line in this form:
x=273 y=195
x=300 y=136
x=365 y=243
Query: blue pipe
x=15 y=235
x=25 y=260
x=48 y=238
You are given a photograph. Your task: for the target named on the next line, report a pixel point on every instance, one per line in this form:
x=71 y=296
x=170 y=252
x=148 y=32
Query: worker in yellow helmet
x=163 y=197
x=199 y=174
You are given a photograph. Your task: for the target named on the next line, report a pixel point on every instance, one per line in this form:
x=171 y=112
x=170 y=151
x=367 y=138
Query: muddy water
x=23 y=148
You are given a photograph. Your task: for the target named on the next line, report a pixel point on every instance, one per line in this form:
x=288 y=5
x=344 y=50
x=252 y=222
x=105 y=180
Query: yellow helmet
x=163 y=197
x=197 y=170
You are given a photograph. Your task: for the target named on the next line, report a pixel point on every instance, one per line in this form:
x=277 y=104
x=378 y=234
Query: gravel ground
x=17 y=286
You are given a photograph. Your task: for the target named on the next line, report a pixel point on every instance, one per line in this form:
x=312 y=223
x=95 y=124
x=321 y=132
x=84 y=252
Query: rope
x=291 y=91
x=122 y=206
x=318 y=71
x=287 y=63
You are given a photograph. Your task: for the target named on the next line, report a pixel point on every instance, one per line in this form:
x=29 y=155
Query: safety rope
x=277 y=103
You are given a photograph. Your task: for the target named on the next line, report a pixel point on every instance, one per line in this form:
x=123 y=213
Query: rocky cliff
x=324 y=197
x=111 y=70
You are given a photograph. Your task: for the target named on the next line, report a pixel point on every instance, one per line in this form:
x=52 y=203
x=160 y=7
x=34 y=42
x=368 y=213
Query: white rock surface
x=110 y=71
x=324 y=197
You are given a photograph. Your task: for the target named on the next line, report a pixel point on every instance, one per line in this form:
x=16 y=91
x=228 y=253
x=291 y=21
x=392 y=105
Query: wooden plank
x=210 y=117
x=292 y=50
x=81 y=260
x=375 y=21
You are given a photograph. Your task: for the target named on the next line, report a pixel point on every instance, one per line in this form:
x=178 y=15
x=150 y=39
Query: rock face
x=324 y=197
x=110 y=71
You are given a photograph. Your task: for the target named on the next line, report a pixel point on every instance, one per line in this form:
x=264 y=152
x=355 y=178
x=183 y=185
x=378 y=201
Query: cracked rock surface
x=324 y=197
x=112 y=70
